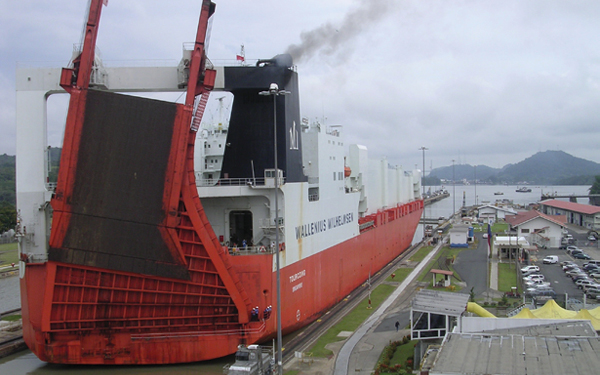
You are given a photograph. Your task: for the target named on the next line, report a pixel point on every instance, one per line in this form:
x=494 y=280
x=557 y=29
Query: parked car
x=585 y=282
x=591 y=238
x=530 y=268
x=581 y=256
x=550 y=259
x=534 y=290
x=575 y=278
x=592 y=292
x=595 y=285
x=593 y=269
x=571 y=267
x=536 y=283
x=567 y=262
x=588 y=266
x=572 y=248
x=575 y=271
x=537 y=276
x=542 y=294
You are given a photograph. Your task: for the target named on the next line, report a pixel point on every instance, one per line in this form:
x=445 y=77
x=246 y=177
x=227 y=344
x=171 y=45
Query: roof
x=524 y=217
x=445 y=303
x=570 y=206
x=517 y=354
x=442 y=272
x=510 y=241
x=459 y=228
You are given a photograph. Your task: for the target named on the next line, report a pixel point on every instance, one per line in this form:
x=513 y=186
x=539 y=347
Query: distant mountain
x=547 y=168
x=465 y=171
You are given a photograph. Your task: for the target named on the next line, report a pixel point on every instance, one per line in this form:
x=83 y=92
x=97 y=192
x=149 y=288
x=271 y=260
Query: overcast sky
x=480 y=82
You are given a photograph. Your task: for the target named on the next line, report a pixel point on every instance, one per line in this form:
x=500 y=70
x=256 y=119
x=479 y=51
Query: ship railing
x=206 y=182
x=250 y=250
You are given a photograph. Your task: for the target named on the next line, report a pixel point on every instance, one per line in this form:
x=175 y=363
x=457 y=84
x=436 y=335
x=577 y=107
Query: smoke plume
x=329 y=38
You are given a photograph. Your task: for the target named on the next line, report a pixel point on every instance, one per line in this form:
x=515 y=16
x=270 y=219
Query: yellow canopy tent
x=524 y=314
x=585 y=315
x=551 y=310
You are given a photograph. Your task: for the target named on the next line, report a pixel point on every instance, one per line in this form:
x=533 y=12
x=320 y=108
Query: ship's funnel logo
x=293 y=137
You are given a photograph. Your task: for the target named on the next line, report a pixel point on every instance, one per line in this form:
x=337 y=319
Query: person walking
x=397 y=325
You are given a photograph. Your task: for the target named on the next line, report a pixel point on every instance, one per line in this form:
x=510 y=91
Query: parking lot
x=553 y=273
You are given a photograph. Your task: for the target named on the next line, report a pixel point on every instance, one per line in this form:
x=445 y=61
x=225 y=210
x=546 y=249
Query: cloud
x=483 y=82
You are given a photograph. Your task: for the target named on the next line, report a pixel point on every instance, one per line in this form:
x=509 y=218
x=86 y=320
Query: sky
x=477 y=82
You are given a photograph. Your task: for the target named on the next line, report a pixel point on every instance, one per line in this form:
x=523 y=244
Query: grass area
x=9 y=253
x=351 y=321
x=394 y=357
x=401 y=274
x=291 y=372
x=445 y=252
x=499 y=227
x=11 y=318
x=507 y=276
x=421 y=254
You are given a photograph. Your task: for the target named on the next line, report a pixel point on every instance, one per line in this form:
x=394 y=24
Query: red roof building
x=584 y=215
x=538 y=228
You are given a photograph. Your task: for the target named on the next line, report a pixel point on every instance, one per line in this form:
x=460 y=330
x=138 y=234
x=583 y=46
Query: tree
x=8 y=217
x=595 y=189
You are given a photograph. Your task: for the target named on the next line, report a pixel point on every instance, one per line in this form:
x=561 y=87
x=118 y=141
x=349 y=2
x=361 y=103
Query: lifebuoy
x=262 y=249
x=282 y=246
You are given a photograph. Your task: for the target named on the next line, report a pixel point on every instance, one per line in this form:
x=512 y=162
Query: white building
x=459 y=236
x=539 y=229
x=490 y=214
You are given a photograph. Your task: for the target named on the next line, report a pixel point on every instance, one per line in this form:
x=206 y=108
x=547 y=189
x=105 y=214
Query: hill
x=547 y=168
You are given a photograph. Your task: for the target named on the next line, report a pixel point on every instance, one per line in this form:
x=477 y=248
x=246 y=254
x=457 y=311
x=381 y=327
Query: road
x=472 y=266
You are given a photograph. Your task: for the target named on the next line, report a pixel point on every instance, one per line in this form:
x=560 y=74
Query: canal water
x=481 y=194
x=27 y=363
x=10 y=298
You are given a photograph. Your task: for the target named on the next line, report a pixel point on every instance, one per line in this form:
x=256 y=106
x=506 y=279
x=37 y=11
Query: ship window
x=313 y=194
x=240 y=227
x=333 y=176
x=524 y=230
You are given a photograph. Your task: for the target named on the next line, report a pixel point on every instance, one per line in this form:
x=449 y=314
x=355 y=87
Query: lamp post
x=423 y=148
x=475 y=167
x=275 y=92
x=453 y=194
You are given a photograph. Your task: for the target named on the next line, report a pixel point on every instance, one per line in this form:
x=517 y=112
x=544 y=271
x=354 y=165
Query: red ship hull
x=58 y=311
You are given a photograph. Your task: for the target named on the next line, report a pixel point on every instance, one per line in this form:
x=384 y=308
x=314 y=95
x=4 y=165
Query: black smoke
x=328 y=38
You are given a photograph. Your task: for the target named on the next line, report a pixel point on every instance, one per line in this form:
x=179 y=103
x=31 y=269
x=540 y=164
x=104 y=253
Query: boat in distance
x=156 y=245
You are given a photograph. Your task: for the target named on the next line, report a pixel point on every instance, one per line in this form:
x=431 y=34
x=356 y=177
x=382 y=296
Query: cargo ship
x=158 y=242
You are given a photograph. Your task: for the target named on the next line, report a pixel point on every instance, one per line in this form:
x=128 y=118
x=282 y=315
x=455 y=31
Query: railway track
x=9 y=312
x=308 y=335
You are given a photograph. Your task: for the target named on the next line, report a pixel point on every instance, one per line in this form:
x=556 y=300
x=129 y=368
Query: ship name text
x=319 y=226
x=297 y=275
